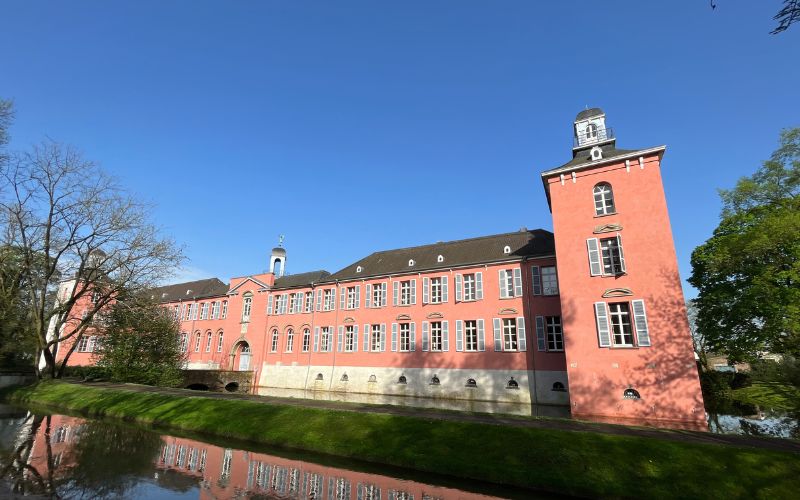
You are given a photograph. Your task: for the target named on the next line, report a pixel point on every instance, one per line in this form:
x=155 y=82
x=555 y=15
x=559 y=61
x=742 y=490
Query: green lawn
x=578 y=463
x=770 y=395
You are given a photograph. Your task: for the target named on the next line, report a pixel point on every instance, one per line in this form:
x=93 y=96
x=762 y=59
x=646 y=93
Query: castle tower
x=627 y=342
x=277 y=260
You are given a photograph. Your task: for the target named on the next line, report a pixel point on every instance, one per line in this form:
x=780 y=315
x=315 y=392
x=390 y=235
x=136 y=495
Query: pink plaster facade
x=570 y=368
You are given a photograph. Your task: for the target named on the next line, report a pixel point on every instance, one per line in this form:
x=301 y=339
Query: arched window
x=471 y=383
x=277 y=268
x=247 y=304
x=402 y=380
x=631 y=393
x=274 y=347
x=208 y=341
x=306 y=339
x=219 y=341
x=591 y=131
x=559 y=387
x=224 y=309
x=512 y=384
x=197 y=342
x=289 y=340
x=435 y=380
x=184 y=341
x=603 y=199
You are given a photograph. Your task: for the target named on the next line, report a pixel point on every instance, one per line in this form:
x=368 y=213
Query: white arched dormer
x=597 y=153
x=507 y=250
x=440 y=259
x=411 y=262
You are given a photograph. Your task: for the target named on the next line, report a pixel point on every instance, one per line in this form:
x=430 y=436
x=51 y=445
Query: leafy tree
x=748 y=272
x=71 y=220
x=141 y=343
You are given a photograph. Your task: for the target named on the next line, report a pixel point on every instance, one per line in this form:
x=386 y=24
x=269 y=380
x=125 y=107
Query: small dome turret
x=277 y=259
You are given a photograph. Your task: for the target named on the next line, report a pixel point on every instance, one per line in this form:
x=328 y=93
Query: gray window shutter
x=479 y=286
x=536 y=280
x=424 y=336
x=413 y=336
x=367 y=335
x=501 y=275
x=517 y=282
x=498 y=334
x=343 y=299
x=621 y=254
x=319 y=299
x=426 y=285
x=459 y=289
x=541 y=341
x=481 y=336
x=316 y=339
x=459 y=335
x=385 y=294
x=444 y=289
x=413 y=291
x=383 y=336
x=640 y=318
x=269 y=304
x=355 y=338
x=395 y=293
x=394 y=337
x=595 y=263
x=522 y=337
x=368 y=296
x=603 y=330
x=358 y=296
x=445 y=336
x=339 y=339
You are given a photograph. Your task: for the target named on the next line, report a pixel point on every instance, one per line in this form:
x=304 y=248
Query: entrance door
x=244 y=359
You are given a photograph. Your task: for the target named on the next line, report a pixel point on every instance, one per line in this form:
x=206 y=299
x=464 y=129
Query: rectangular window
x=306 y=340
x=375 y=339
x=328 y=300
x=612 y=256
x=309 y=301
x=224 y=309
x=549 y=280
x=469 y=287
x=436 y=290
x=326 y=339
x=379 y=295
x=214 y=310
x=510 y=283
x=509 y=334
x=208 y=342
x=470 y=335
x=555 y=336
x=204 y=311
x=349 y=338
x=293 y=304
x=620 y=316
x=188 y=310
x=83 y=344
x=351 y=297
x=436 y=336
x=405 y=336
x=405 y=293
x=219 y=342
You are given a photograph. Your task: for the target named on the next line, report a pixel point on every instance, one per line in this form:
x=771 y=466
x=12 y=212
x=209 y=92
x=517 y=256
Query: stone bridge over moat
x=218 y=380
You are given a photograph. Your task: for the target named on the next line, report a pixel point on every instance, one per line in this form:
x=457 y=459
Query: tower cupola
x=590 y=129
x=277 y=259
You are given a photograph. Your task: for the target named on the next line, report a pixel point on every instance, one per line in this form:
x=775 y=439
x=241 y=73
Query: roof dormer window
x=358 y=269
x=411 y=262
x=597 y=153
x=507 y=250
x=440 y=258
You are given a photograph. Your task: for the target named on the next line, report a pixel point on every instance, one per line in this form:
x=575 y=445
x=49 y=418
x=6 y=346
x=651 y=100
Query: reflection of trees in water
x=108 y=460
x=105 y=461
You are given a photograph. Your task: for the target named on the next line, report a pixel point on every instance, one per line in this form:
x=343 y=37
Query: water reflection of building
x=181 y=464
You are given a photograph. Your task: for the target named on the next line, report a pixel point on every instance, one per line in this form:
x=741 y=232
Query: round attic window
x=440 y=258
x=411 y=262
x=358 y=269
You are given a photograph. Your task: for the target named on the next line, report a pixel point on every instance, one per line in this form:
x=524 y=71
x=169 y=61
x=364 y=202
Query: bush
x=86 y=372
x=787 y=370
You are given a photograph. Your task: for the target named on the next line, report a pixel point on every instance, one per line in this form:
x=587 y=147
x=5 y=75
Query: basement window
x=559 y=387
x=512 y=384
x=319 y=376
x=631 y=393
x=435 y=380
x=402 y=380
x=471 y=383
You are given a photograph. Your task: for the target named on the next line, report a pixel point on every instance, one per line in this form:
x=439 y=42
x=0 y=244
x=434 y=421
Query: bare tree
x=82 y=236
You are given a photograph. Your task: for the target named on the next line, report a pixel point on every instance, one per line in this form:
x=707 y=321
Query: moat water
x=58 y=456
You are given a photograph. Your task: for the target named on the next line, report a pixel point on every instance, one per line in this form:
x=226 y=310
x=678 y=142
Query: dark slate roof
x=302 y=279
x=586 y=113
x=482 y=250
x=584 y=155
x=211 y=287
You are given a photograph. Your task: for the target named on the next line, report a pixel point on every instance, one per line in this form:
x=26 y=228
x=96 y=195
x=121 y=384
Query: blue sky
x=352 y=127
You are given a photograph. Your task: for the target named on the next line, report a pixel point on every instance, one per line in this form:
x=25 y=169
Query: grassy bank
x=580 y=463
x=769 y=396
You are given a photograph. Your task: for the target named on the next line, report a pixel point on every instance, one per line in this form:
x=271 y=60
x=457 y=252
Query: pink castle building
x=590 y=317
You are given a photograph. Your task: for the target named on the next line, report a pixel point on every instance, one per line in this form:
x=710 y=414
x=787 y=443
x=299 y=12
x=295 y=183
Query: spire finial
x=280 y=240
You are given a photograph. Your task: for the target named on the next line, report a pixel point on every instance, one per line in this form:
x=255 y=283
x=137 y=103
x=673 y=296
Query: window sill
x=605 y=215
x=624 y=347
